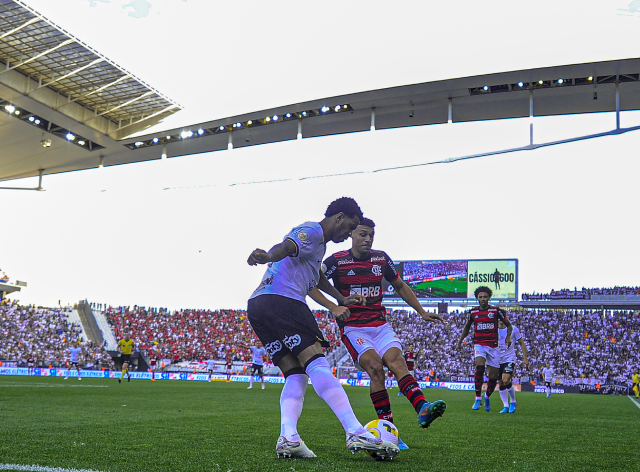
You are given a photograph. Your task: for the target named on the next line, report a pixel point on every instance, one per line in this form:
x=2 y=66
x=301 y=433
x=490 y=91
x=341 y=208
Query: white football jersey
x=210 y=364
x=508 y=353
x=258 y=354
x=548 y=374
x=295 y=276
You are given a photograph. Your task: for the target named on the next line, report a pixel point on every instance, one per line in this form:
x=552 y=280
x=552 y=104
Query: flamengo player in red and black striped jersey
x=365 y=332
x=484 y=319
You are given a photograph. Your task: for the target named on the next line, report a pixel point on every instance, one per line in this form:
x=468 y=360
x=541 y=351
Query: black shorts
x=256 y=368
x=547 y=384
x=125 y=358
x=508 y=368
x=73 y=364
x=284 y=325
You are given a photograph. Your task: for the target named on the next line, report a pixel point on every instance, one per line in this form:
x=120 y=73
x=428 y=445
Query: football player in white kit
x=257 y=365
x=211 y=364
x=547 y=372
x=508 y=364
x=74 y=359
x=285 y=325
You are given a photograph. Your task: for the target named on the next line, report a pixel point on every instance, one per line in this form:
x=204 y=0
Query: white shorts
x=490 y=354
x=379 y=338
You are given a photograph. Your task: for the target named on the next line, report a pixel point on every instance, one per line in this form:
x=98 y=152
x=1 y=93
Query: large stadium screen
x=457 y=279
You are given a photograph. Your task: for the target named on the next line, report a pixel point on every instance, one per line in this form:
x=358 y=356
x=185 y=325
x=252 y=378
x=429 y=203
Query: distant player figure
x=368 y=337
x=547 y=373
x=211 y=365
x=125 y=346
x=257 y=365
x=635 y=387
x=484 y=319
x=154 y=360
x=508 y=361
x=229 y=367
x=74 y=359
x=285 y=325
x=30 y=365
x=410 y=360
x=496 y=279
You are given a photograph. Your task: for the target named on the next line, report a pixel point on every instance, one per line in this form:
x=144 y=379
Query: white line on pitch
x=634 y=402
x=37 y=468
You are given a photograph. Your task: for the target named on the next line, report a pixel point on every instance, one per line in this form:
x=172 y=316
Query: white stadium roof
x=92 y=111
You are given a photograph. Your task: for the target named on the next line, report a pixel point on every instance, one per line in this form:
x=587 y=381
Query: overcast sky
x=177 y=232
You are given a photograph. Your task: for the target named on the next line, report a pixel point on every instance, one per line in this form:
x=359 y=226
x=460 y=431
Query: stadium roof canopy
x=65 y=107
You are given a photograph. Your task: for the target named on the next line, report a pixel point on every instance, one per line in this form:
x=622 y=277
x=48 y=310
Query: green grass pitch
x=442 y=288
x=197 y=426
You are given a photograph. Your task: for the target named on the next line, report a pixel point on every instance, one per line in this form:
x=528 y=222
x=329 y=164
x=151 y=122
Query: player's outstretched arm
x=340 y=312
x=408 y=296
x=465 y=332
x=326 y=287
x=525 y=356
x=276 y=253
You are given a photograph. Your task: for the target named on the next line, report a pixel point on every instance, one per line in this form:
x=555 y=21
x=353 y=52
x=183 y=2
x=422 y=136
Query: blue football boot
x=430 y=411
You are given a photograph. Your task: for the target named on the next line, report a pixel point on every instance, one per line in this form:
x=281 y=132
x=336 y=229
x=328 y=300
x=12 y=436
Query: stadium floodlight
x=10 y=108
x=288 y=115
x=238 y=125
x=200 y=132
x=138 y=143
x=155 y=140
x=485 y=88
x=590 y=78
x=37 y=121
x=541 y=82
x=221 y=128
x=81 y=143
x=520 y=84
x=186 y=134
x=304 y=113
x=17 y=112
x=267 y=119
x=45 y=143
x=275 y=117
x=168 y=137
x=70 y=136
x=560 y=81
x=32 y=119
x=249 y=122
x=324 y=109
x=337 y=108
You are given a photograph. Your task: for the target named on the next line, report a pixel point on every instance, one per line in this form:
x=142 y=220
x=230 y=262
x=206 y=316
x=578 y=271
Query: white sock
x=505 y=398
x=329 y=389
x=251 y=381
x=512 y=394
x=291 y=401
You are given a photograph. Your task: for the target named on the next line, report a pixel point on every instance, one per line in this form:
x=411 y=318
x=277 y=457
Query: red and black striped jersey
x=410 y=359
x=362 y=276
x=485 y=324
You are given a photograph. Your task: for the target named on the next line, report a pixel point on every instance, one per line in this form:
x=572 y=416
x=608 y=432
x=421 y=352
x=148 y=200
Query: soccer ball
x=384 y=430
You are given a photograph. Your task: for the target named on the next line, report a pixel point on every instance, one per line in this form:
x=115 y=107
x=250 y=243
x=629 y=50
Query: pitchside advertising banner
x=458 y=279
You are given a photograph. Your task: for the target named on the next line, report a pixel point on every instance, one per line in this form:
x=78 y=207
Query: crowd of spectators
x=185 y=335
x=579 y=344
x=583 y=294
x=420 y=270
x=45 y=334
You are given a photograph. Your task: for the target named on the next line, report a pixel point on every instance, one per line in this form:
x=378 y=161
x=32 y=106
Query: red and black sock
x=410 y=389
x=478 y=379
x=491 y=386
x=382 y=405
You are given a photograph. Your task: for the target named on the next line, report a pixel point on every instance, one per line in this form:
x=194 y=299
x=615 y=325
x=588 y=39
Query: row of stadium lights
x=560 y=82
x=52 y=128
x=187 y=134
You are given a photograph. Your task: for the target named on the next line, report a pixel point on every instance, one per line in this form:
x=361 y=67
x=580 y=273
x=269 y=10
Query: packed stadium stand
x=44 y=334
x=581 y=345
x=586 y=294
x=195 y=334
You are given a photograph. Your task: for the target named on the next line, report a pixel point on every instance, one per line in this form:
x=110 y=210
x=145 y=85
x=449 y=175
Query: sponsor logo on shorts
x=360 y=342
x=377 y=270
x=273 y=347
x=292 y=341
x=351 y=272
